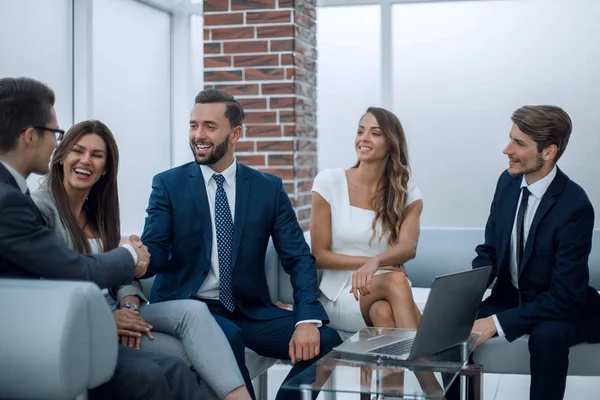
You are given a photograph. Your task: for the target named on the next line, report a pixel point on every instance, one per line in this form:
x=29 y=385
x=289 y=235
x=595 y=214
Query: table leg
x=464 y=353
x=330 y=394
x=474 y=373
x=379 y=380
x=306 y=392
x=366 y=375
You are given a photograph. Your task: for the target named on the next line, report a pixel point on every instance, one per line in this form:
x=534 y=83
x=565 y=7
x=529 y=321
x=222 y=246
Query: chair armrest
x=103 y=341
x=55 y=338
x=285 y=292
x=273 y=272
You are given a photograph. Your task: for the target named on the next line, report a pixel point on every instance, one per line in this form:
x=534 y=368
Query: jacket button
x=205 y=273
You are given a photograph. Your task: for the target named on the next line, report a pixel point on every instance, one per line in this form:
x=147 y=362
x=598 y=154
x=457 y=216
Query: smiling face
x=212 y=138
x=370 y=142
x=524 y=157
x=85 y=163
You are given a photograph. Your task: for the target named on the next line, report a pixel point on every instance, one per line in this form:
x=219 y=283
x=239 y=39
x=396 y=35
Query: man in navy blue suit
x=208 y=226
x=538 y=239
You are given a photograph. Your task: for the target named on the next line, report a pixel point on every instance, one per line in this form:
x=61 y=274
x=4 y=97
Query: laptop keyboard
x=394 y=349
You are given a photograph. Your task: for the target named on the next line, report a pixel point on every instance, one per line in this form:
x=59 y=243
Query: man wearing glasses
x=38 y=146
x=28 y=136
x=58 y=133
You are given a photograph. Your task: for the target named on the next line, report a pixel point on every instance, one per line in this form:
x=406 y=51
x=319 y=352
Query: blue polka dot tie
x=224 y=227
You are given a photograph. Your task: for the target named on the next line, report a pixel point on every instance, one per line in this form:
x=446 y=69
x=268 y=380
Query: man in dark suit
x=537 y=239
x=208 y=226
x=28 y=135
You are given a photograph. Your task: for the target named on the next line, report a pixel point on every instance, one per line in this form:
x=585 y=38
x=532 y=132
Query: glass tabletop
x=424 y=378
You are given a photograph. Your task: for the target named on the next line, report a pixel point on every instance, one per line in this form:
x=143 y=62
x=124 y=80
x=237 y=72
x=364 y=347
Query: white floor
x=496 y=387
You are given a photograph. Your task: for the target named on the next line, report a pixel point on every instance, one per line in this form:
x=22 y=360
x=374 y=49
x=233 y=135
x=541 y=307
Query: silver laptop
x=448 y=317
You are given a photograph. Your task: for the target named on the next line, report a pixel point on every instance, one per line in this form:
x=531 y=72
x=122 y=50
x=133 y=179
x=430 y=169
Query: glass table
x=371 y=377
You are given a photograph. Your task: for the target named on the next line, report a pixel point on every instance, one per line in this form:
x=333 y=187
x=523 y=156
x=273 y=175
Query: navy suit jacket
x=178 y=233
x=554 y=275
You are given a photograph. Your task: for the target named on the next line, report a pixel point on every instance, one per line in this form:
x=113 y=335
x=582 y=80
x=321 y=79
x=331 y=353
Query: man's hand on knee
x=305 y=343
x=487 y=328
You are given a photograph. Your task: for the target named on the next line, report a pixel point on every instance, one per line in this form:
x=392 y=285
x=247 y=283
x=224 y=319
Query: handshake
x=143 y=256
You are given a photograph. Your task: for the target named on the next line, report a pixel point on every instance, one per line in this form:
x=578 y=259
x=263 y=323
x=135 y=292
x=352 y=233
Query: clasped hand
x=362 y=277
x=130 y=327
x=142 y=254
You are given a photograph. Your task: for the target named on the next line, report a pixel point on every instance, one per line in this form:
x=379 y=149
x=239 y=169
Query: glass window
x=132 y=95
x=42 y=51
x=349 y=78
x=461 y=68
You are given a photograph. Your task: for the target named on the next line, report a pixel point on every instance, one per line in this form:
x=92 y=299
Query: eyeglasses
x=59 y=133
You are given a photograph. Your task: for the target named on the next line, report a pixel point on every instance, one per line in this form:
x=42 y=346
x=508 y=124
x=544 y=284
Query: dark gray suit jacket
x=28 y=249
x=49 y=210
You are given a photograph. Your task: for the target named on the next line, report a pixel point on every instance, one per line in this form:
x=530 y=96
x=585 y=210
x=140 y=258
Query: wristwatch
x=130 y=305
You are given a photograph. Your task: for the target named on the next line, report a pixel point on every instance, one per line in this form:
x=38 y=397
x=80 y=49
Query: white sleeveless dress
x=350 y=234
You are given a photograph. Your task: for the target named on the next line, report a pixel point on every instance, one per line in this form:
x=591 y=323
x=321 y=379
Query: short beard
x=217 y=154
x=539 y=163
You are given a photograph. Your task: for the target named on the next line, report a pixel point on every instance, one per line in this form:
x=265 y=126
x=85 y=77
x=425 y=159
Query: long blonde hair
x=389 y=201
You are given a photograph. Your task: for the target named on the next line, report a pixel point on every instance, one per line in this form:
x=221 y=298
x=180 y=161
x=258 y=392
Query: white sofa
x=50 y=348
x=446 y=250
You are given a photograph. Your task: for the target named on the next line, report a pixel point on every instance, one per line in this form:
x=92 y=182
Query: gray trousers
x=186 y=329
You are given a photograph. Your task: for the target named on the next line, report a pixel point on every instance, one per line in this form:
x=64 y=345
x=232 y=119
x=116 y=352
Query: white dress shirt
x=210 y=287
x=537 y=190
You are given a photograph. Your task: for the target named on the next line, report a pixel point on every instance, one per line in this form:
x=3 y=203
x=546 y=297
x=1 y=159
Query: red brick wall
x=263 y=52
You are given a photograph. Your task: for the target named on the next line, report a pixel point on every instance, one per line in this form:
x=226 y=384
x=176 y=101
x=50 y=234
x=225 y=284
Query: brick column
x=263 y=52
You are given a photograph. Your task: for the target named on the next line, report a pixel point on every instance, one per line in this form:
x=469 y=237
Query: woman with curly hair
x=364 y=226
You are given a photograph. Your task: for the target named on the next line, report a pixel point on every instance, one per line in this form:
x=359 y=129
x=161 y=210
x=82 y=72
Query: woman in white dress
x=364 y=226
x=364 y=223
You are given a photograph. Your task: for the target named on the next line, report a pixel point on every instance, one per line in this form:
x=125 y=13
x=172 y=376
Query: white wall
x=349 y=76
x=459 y=70
x=194 y=84
x=131 y=63
x=35 y=41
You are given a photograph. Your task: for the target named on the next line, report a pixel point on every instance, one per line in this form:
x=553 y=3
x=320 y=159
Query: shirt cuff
x=499 y=330
x=132 y=252
x=311 y=321
x=134 y=289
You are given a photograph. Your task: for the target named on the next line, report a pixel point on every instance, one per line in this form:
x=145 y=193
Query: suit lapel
x=198 y=191
x=242 y=192
x=509 y=211
x=6 y=177
x=546 y=203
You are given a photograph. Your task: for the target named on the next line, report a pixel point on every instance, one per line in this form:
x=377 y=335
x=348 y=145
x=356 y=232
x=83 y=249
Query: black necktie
x=28 y=193
x=520 y=217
